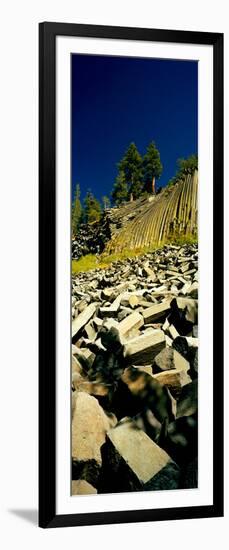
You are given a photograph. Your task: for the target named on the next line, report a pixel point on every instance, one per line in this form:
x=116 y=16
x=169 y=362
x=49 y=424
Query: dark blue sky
x=117 y=100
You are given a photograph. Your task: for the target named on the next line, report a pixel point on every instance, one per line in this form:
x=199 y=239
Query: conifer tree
x=185 y=166
x=106 y=202
x=92 y=208
x=131 y=165
x=120 y=190
x=77 y=210
x=152 y=167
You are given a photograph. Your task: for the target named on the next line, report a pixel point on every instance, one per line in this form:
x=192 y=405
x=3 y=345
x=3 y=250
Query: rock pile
x=134 y=374
x=91 y=238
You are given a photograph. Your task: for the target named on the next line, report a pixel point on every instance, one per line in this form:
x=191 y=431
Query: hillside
x=173 y=212
x=143 y=223
x=135 y=346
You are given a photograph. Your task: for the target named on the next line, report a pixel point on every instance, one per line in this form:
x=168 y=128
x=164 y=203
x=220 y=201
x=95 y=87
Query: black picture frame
x=47 y=261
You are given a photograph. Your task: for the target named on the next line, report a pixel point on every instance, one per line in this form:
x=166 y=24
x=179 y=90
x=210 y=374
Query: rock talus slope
x=135 y=374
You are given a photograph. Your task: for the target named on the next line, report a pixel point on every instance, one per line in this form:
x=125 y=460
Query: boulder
x=188 y=348
x=112 y=309
x=109 y=294
x=163 y=361
x=169 y=359
x=89 y=427
x=132 y=321
x=133 y=301
x=90 y=331
x=82 y=319
x=156 y=312
x=76 y=366
x=147 y=272
x=180 y=363
x=188 y=306
x=144 y=348
x=173 y=332
x=130 y=459
x=174 y=379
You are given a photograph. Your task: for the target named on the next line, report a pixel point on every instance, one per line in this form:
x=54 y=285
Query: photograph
x=134 y=274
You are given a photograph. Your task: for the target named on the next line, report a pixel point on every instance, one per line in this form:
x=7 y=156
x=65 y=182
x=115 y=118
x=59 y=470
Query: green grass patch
x=92 y=261
x=181 y=240
x=85 y=263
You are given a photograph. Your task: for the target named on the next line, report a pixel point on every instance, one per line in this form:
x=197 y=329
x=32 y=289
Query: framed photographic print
x=131 y=275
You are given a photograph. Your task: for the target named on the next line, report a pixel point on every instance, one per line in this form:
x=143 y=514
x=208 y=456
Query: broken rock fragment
x=163 y=361
x=188 y=306
x=174 y=379
x=82 y=319
x=156 y=312
x=132 y=321
x=89 y=427
x=76 y=366
x=188 y=348
x=169 y=359
x=130 y=459
x=144 y=348
x=111 y=310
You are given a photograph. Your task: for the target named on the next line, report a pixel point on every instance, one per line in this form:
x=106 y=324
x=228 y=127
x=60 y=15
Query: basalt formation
x=143 y=223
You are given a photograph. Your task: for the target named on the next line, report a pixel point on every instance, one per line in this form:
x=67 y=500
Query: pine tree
x=92 y=208
x=185 y=166
x=77 y=211
x=106 y=202
x=152 y=167
x=131 y=165
x=120 y=190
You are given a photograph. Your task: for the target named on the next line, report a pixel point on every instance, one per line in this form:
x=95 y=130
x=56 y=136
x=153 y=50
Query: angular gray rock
x=131 y=457
x=89 y=427
x=83 y=319
x=156 y=312
x=144 y=348
x=174 y=379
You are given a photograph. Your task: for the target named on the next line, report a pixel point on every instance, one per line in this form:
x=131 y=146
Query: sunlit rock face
x=172 y=213
x=144 y=222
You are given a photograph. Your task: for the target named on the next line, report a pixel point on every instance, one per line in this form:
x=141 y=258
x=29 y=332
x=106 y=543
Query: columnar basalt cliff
x=170 y=214
x=146 y=222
